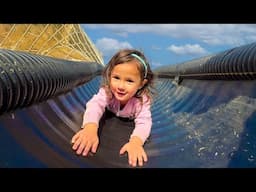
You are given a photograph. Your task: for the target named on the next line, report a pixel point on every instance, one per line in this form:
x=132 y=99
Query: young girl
x=127 y=92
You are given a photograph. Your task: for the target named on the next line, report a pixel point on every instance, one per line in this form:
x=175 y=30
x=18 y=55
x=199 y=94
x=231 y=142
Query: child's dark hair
x=127 y=55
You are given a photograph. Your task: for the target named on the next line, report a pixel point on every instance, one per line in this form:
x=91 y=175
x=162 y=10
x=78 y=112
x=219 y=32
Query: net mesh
x=65 y=41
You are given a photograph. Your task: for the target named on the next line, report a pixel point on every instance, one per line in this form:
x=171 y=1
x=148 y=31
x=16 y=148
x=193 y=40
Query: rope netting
x=64 y=41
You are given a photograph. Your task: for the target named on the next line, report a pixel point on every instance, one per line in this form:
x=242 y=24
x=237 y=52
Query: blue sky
x=167 y=44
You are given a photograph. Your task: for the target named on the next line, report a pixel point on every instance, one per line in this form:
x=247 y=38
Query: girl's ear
x=144 y=82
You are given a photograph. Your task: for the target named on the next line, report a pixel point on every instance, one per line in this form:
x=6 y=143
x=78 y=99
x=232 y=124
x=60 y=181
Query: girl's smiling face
x=125 y=80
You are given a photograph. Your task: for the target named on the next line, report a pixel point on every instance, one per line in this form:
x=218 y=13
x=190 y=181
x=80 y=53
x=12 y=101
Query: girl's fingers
x=140 y=161
x=94 y=147
x=87 y=148
x=81 y=147
x=76 y=144
x=144 y=155
x=75 y=137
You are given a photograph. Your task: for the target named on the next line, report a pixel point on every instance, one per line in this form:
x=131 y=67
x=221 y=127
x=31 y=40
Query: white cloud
x=187 y=49
x=156 y=64
x=212 y=34
x=153 y=47
x=108 y=46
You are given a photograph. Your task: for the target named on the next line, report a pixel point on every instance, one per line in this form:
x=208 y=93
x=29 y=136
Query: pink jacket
x=133 y=109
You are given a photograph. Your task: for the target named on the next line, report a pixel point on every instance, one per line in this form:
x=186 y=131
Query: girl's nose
x=121 y=86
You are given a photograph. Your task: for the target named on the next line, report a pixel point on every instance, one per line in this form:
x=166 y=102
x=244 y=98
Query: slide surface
x=197 y=124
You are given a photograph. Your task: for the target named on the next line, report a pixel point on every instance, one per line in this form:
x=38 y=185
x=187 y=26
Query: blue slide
x=204 y=114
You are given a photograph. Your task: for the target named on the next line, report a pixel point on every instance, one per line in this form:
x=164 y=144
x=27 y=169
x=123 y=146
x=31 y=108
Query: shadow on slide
x=196 y=124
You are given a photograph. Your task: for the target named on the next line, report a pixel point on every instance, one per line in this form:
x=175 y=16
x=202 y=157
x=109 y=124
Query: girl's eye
x=130 y=81
x=115 y=77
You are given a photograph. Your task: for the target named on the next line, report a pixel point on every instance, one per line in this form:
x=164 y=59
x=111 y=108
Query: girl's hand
x=86 y=139
x=136 y=152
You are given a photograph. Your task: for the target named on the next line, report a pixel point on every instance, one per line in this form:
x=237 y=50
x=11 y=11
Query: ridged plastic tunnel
x=204 y=114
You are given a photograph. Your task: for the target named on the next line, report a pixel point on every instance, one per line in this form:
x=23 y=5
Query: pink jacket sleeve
x=143 y=122
x=95 y=107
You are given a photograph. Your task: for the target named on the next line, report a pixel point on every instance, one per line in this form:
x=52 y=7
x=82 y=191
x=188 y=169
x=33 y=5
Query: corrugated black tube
x=27 y=78
x=235 y=64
